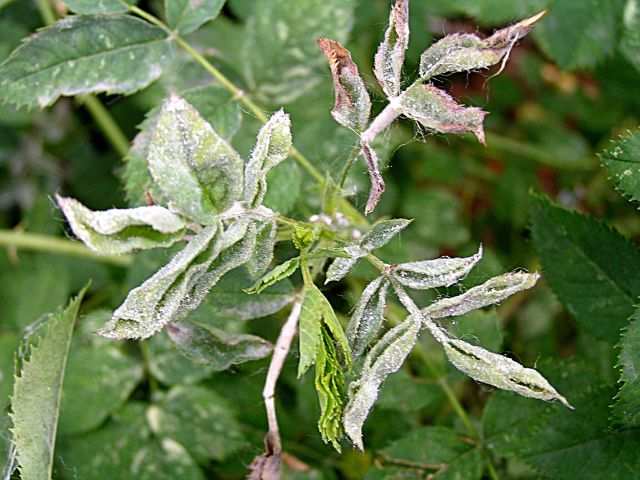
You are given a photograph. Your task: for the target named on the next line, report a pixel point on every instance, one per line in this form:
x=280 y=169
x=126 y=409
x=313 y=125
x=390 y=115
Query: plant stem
x=105 y=121
x=46 y=11
x=50 y=244
x=355 y=151
x=280 y=352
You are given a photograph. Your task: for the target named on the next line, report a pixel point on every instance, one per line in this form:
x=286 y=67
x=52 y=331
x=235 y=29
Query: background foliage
x=555 y=189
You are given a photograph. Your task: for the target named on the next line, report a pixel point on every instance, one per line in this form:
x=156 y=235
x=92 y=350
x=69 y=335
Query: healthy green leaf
x=201 y=420
x=368 y=315
x=84 y=54
x=170 y=367
x=118 y=231
x=352 y=105
x=390 y=55
x=98 y=6
x=197 y=170
x=216 y=348
x=278 y=37
x=626 y=410
x=279 y=273
x=37 y=395
x=186 y=16
x=436 y=110
x=620 y=160
x=589 y=266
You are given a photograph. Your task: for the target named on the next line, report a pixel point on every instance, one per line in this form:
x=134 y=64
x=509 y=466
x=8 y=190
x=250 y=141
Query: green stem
x=47 y=243
x=46 y=11
x=106 y=123
x=355 y=151
x=492 y=470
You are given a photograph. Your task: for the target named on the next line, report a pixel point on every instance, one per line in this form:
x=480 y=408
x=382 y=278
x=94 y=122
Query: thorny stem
x=50 y=244
x=280 y=352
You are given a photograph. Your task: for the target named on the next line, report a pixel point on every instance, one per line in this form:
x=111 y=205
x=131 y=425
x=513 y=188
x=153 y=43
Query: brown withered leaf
x=352 y=103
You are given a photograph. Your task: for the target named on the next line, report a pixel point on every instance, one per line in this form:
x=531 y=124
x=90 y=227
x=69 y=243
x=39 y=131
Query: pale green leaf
x=118 y=231
x=626 y=409
x=282 y=271
x=215 y=348
x=197 y=170
x=37 y=395
x=368 y=316
x=437 y=111
x=630 y=42
x=98 y=6
x=389 y=57
x=623 y=162
x=85 y=54
x=383 y=232
x=264 y=246
x=187 y=16
x=201 y=420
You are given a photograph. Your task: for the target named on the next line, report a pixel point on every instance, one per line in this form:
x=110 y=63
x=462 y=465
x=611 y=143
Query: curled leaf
x=352 y=103
x=195 y=168
x=342 y=265
x=118 y=231
x=386 y=357
x=368 y=316
x=375 y=177
x=463 y=52
x=491 y=292
x=216 y=348
x=265 y=244
x=437 y=111
x=441 y=272
x=389 y=58
x=279 y=273
x=272 y=147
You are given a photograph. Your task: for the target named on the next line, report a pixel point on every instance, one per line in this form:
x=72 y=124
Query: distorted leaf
x=375 y=177
x=352 y=104
x=368 y=316
x=436 y=110
x=282 y=271
x=263 y=251
x=84 y=54
x=198 y=171
x=216 y=348
x=389 y=58
x=272 y=147
x=37 y=394
x=382 y=232
x=119 y=231
x=441 y=272
x=187 y=16
x=341 y=265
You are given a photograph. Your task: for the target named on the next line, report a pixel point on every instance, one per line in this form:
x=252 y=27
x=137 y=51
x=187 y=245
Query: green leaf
x=368 y=315
x=620 y=160
x=389 y=57
x=383 y=232
x=98 y=6
x=85 y=54
x=407 y=394
x=126 y=448
x=580 y=34
x=37 y=395
x=589 y=266
x=262 y=256
x=219 y=350
x=171 y=367
x=451 y=456
x=279 y=273
x=101 y=376
x=201 y=420
x=626 y=410
x=186 y=16
x=630 y=42
x=118 y=231
x=479 y=327
x=278 y=36
x=8 y=345
x=197 y=171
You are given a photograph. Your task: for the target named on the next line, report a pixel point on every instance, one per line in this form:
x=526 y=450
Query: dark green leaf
x=623 y=162
x=186 y=16
x=626 y=410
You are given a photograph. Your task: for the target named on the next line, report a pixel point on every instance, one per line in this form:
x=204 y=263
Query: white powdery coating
x=491 y=292
x=441 y=272
x=272 y=147
x=368 y=316
x=389 y=58
x=98 y=229
x=265 y=244
x=341 y=265
x=382 y=232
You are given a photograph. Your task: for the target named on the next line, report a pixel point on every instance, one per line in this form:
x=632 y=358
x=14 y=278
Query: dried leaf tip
x=516 y=31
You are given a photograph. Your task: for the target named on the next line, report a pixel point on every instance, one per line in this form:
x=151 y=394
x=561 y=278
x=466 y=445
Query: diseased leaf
x=390 y=55
x=589 y=266
x=436 y=110
x=84 y=54
x=441 y=272
x=623 y=162
x=382 y=233
x=282 y=271
x=491 y=292
x=186 y=16
x=352 y=105
x=265 y=244
x=272 y=147
x=98 y=6
x=626 y=409
x=216 y=348
x=37 y=395
x=201 y=420
x=368 y=316
x=341 y=266
x=375 y=177
x=198 y=172
x=464 y=52
x=386 y=357
x=119 y=231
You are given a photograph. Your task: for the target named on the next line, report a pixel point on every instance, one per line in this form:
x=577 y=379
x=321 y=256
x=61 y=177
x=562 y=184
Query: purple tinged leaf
x=389 y=58
x=377 y=182
x=437 y=111
x=352 y=104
